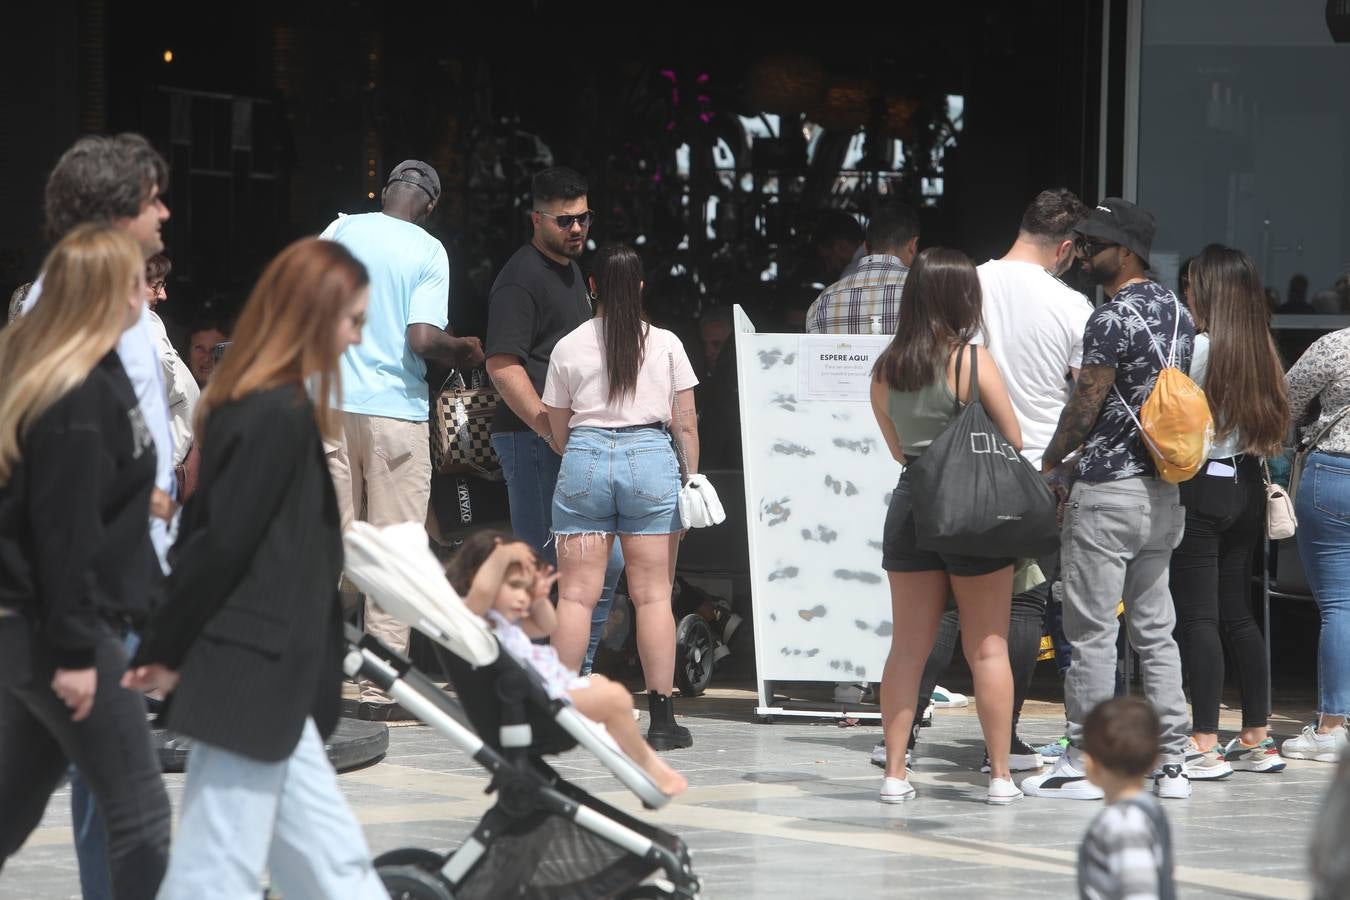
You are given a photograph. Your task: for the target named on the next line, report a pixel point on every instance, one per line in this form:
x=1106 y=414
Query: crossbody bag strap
x=675 y=420
x=1312 y=444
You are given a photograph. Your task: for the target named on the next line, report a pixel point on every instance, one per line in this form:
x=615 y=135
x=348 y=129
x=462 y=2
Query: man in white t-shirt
x=1033 y=327
x=382 y=467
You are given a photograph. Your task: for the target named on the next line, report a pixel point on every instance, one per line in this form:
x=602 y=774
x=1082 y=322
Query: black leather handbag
x=975 y=495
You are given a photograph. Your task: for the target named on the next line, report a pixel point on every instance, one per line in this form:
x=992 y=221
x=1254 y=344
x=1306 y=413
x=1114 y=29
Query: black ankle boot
x=663 y=733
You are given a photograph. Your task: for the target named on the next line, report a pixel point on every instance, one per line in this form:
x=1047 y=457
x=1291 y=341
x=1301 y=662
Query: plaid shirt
x=846 y=307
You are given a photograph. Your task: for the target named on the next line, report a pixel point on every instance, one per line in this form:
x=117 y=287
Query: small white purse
x=699 y=505
x=1281 y=522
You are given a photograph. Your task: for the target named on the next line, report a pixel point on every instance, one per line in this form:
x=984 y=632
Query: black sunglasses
x=1090 y=249
x=565 y=222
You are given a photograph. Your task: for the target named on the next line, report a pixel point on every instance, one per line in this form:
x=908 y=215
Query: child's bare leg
x=610 y=704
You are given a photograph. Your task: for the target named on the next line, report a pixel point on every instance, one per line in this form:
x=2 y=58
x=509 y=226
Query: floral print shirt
x=1323 y=372
x=1133 y=334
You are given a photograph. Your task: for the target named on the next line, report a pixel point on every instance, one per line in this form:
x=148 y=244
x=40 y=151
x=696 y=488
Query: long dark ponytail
x=618 y=285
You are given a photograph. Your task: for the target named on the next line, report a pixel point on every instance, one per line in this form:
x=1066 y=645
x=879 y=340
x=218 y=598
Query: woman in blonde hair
x=77 y=466
x=249 y=639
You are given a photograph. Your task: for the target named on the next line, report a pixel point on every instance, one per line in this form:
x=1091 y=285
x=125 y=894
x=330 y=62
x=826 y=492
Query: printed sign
x=837 y=366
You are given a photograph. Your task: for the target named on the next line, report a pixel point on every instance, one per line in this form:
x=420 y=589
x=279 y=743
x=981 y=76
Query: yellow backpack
x=1175 y=420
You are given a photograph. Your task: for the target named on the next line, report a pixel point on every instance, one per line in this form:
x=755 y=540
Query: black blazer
x=252 y=619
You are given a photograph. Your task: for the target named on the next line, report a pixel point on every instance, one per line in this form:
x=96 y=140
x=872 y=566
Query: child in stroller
x=502 y=580
x=543 y=838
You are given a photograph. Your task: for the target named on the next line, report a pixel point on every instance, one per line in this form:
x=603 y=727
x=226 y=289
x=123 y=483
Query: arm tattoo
x=1076 y=422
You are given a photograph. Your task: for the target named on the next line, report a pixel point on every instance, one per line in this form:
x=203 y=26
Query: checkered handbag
x=461 y=427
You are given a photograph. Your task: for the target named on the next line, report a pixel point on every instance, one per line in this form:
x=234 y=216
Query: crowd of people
x=171 y=523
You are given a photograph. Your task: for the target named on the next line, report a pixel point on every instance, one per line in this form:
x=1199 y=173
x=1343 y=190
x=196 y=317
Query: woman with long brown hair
x=77 y=467
x=917 y=383
x=609 y=401
x=249 y=639
x=1236 y=362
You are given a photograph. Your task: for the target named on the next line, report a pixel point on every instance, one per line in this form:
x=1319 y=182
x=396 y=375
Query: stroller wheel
x=693 y=655
x=411 y=883
x=426 y=860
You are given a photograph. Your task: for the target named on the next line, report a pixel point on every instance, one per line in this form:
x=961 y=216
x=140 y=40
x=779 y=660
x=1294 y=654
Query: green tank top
x=920 y=416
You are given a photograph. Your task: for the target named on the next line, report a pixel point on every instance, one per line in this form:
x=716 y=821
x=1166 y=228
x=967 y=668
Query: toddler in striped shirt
x=1127 y=851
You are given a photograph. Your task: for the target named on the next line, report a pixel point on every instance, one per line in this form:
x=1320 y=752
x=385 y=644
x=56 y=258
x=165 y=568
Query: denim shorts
x=900 y=550
x=618 y=481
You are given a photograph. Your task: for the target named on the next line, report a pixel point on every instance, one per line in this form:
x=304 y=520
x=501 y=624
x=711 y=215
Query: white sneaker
x=927 y=718
x=879 y=756
x=896 y=790
x=1314 y=746
x=1172 y=782
x=945 y=699
x=1064 y=781
x=1002 y=791
x=1207 y=766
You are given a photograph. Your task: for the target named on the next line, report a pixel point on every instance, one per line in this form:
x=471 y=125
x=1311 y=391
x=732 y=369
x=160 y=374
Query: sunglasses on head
x=565 y=221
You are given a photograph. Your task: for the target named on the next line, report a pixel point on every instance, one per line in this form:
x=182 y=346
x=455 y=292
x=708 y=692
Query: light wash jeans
x=1323 y=508
x=240 y=816
x=1116 y=545
x=531 y=470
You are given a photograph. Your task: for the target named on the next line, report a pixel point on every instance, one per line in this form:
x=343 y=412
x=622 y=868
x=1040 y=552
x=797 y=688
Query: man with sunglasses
x=1121 y=521
x=382 y=466
x=540 y=296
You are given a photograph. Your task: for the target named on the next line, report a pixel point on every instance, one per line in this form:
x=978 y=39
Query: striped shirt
x=1126 y=853
x=847 y=306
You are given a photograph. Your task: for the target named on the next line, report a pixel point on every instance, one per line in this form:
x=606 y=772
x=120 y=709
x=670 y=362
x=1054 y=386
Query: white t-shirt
x=578 y=379
x=1033 y=327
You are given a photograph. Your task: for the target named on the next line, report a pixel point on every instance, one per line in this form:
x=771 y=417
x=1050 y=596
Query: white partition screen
x=818 y=478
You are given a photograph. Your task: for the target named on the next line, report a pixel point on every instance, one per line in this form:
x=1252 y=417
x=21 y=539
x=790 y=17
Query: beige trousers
x=382 y=473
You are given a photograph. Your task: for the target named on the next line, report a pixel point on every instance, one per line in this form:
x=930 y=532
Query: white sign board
x=837 y=367
x=818 y=480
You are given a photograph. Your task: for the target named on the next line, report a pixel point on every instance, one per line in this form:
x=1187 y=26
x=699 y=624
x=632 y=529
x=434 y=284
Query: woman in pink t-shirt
x=609 y=401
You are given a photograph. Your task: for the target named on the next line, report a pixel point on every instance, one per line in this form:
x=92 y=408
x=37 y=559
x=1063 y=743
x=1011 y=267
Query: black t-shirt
x=534 y=302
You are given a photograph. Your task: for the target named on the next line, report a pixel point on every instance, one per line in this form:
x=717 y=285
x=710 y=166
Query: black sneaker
x=1021 y=758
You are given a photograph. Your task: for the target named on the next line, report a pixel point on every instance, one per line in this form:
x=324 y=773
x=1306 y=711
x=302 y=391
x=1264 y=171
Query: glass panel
x=1244 y=139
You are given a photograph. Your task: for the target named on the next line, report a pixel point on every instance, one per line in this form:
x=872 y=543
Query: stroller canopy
x=396 y=569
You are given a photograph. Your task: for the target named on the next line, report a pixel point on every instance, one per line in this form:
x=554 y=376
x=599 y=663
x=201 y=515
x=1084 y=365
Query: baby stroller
x=543 y=838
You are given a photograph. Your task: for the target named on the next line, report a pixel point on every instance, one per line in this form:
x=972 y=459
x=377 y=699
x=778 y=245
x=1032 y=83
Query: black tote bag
x=974 y=495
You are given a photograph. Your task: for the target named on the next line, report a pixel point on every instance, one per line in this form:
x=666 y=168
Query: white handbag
x=1281 y=522
x=699 y=505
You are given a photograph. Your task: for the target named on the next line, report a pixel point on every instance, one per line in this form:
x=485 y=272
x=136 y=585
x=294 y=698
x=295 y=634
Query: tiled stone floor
x=789 y=810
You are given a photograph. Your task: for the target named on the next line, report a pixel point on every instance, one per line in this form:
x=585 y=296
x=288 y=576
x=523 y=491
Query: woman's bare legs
x=581 y=577
x=610 y=704
x=985 y=602
x=917 y=602
x=649 y=560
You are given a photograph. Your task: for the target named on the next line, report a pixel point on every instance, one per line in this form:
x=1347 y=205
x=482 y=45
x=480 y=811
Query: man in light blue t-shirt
x=382 y=467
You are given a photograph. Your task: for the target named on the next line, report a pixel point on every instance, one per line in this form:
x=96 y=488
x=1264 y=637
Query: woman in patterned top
x=1322 y=503
x=1236 y=362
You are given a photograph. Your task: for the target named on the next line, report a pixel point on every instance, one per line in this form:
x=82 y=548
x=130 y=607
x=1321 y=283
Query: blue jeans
x=240 y=816
x=1323 y=508
x=531 y=470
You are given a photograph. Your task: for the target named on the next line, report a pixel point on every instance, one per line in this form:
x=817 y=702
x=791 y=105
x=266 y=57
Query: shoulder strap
x=675 y=423
x=1166 y=363
x=1312 y=444
x=974 y=394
